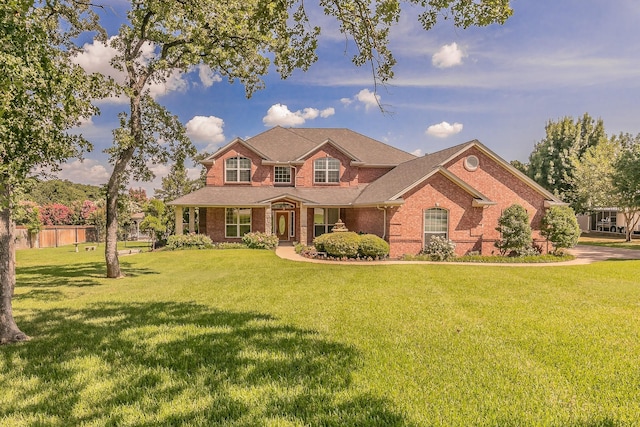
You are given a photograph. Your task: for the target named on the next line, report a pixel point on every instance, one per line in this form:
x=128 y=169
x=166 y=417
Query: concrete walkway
x=584 y=255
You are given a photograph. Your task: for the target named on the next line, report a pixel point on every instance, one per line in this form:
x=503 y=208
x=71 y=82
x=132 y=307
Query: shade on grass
x=243 y=338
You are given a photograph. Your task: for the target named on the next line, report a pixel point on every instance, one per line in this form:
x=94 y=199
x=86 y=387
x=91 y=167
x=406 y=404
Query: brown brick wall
x=368 y=175
x=364 y=220
x=260 y=175
x=212 y=223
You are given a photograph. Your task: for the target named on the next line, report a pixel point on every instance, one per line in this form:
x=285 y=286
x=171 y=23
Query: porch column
x=178 y=220
x=192 y=219
x=303 y=225
x=268 y=220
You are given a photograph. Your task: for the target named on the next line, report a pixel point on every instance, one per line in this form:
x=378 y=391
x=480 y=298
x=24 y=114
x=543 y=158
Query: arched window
x=326 y=170
x=436 y=223
x=237 y=169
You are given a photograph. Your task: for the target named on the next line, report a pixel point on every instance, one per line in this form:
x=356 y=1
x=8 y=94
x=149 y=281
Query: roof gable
x=227 y=147
x=333 y=144
x=284 y=145
x=406 y=176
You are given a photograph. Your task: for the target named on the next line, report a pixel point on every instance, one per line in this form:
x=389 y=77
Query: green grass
x=243 y=338
x=610 y=241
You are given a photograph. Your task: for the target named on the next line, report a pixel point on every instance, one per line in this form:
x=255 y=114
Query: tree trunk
x=111 y=238
x=9 y=332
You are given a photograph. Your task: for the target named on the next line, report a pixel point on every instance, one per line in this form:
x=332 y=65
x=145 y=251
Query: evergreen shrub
x=373 y=246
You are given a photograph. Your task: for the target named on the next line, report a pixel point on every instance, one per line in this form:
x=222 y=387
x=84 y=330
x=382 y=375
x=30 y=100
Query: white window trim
x=325 y=218
x=325 y=170
x=237 y=224
x=275 y=175
x=237 y=169
x=424 y=225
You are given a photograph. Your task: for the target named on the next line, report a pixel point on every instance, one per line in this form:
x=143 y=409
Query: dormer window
x=282 y=174
x=237 y=169
x=326 y=170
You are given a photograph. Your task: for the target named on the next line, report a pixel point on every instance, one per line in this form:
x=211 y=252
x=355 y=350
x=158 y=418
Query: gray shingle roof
x=261 y=196
x=277 y=144
x=406 y=174
x=288 y=145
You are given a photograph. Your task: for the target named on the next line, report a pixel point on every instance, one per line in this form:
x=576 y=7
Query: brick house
x=297 y=183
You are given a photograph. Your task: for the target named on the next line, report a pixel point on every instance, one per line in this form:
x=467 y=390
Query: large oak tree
x=42 y=95
x=241 y=39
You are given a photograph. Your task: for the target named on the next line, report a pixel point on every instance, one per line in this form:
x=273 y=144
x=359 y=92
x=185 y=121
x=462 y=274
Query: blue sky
x=499 y=84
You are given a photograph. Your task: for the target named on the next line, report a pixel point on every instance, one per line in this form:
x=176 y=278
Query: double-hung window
x=282 y=174
x=326 y=170
x=324 y=219
x=237 y=169
x=436 y=223
x=237 y=222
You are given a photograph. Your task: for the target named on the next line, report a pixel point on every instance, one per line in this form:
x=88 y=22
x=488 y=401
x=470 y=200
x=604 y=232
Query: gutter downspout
x=295 y=175
x=384 y=224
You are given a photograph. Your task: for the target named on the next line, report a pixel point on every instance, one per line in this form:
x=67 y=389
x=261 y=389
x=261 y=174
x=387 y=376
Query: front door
x=282 y=225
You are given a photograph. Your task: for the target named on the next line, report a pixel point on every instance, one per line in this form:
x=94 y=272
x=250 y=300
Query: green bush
x=440 y=249
x=319 y=242
x=514 y=227
x=342 y=245
x=373 y=246
x=560 y=227
x=258 y=240
x=189 y=241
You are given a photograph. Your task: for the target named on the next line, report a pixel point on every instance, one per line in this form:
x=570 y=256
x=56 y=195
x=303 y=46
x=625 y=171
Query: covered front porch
x=290 y=220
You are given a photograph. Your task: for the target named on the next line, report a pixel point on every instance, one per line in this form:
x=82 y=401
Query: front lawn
x=611 y=241
x=243 y=338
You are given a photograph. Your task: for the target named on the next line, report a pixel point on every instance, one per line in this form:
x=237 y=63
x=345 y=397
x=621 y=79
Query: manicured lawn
x=242 y=338
x=612 y=241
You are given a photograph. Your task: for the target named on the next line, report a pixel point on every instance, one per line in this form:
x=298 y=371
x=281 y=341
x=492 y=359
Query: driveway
x=588 y=254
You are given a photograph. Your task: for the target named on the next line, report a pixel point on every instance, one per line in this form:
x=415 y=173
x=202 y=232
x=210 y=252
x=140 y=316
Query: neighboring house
x=607 y=219
x=297 y=183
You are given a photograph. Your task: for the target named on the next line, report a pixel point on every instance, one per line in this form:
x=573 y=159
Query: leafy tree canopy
x=63 y=191
x=551 y=162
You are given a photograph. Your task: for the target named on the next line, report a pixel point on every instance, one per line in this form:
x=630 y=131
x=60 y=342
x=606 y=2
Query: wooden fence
x=52 y=236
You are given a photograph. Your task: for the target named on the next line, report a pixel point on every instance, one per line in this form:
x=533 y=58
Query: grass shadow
x=182 y=364
x=76 y=274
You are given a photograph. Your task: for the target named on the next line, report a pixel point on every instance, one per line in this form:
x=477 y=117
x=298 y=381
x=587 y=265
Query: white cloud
x=207 y=76
x=444 y=129
x=368 y=98
x=96 y=58
x=280 y=115
x=206 y=130
x=85 y=171
x=449 y=55
x=417 y=153
x=327 y=112
x=364 y=97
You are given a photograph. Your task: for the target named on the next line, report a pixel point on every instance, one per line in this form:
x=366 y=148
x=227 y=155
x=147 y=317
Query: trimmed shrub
x=373 y=246
x=440 y=249
x=560 y=227
x=189 y=241
x=514 y=227
x=258 y=240
x=342 y=245
x=319 y=242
